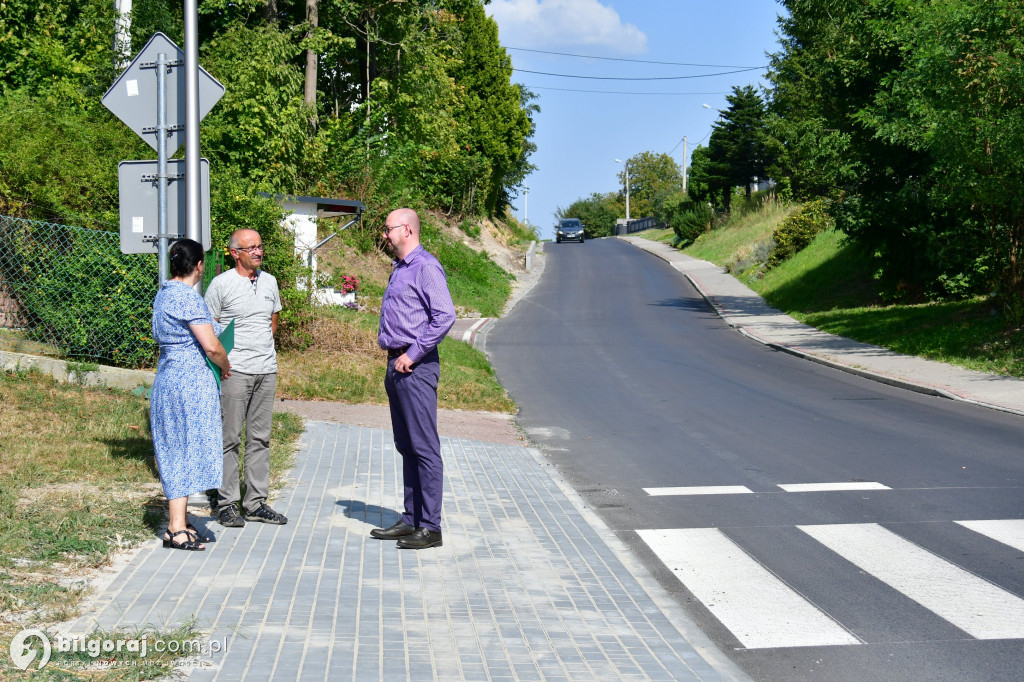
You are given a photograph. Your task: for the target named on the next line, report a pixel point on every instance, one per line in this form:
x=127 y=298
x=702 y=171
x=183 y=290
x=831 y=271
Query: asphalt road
x=682 y=433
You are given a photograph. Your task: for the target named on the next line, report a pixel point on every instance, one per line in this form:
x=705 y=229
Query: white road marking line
x=973 y=604
x=700 y=490
x=1009 y=531
x=755 y=605
x=467 y=336
x=823 y=487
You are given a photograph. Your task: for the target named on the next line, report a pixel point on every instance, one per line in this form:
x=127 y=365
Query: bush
x=688 y=218
x=797 y=231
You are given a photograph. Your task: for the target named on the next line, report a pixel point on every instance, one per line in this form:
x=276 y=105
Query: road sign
x=133 y=96
x=139 y=203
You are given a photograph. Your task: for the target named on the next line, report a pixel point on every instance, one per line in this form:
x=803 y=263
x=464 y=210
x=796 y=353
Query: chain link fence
x=69 y=292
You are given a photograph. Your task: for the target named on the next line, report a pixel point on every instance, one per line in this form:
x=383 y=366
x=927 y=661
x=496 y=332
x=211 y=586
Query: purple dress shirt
x=417 y=310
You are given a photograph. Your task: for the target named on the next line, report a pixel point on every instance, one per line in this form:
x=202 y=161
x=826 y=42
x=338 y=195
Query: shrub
x=797 y=231
x=689 y=219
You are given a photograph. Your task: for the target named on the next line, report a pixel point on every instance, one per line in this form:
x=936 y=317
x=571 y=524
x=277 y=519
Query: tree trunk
x=311 y=59
x=270 y=10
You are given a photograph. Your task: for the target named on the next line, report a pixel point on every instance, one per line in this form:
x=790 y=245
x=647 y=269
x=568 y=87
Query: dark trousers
x=413 y=401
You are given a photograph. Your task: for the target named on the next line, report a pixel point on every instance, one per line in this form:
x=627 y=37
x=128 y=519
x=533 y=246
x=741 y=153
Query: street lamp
x=626 y=164
x=526 y=198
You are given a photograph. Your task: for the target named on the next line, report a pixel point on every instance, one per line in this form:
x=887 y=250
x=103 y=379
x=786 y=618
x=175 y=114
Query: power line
x=619 y=92
x=637 y=61
x=631 y=78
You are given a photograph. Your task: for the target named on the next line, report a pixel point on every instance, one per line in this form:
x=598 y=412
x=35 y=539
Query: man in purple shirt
x=415 y=315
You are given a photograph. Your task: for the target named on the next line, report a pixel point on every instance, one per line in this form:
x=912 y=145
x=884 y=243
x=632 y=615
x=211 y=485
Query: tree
x=652 y=177
x=738 y=142
x=598 y=213
x=959 y=100
x=492 y=115
x=835 y=57
x=699 y=185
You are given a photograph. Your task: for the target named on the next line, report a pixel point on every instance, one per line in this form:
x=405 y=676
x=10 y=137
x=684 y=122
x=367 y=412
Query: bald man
x=251 y=298
x=416 y=314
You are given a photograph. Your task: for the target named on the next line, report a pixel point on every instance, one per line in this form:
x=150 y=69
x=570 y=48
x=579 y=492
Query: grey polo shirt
x=232 y=296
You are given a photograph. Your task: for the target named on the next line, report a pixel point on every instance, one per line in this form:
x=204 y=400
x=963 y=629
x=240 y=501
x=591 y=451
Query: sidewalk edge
x=672 y=611
x=822 y=360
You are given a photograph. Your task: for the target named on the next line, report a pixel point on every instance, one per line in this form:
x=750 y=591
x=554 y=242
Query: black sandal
x=192 y=544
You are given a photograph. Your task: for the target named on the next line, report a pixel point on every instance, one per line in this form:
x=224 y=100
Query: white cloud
x=560 y=24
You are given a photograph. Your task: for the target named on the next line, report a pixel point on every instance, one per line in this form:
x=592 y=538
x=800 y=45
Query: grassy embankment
x=344 y=363
x=829 y=285
x=78 y=482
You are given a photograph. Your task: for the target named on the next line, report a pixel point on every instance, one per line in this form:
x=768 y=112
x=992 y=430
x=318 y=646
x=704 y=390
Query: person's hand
x=225 y=373
x=403 y=364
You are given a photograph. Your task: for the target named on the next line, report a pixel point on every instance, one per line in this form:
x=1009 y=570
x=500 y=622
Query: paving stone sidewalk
x=529 y=584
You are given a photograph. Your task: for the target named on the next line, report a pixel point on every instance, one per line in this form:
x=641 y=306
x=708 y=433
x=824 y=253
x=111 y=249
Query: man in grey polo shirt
x=250 y=297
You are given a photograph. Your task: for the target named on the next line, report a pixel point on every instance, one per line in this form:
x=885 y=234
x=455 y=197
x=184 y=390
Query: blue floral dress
x=184 y=411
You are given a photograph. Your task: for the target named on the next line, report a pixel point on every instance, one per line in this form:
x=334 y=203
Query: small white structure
x=301 y=219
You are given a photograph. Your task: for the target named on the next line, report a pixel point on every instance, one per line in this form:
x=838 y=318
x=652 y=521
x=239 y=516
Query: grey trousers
x=247 y=398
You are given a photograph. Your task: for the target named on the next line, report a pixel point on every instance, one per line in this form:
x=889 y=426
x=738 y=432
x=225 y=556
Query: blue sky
x=580 y=134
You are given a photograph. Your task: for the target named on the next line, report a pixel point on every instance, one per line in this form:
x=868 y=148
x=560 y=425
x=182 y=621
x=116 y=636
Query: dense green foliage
x=908 y=115
x=652 y=178
x=412 y=105
x=689 y=219
x=798 y=230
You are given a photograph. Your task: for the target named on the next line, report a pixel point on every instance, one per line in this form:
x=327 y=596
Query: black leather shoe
x=400 y=529
x=421 y=539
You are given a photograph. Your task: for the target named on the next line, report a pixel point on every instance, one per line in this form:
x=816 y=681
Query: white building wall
x=301 y=220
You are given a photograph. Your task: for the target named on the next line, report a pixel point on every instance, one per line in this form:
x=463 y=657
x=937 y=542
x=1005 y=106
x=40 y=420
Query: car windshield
x=570 y=225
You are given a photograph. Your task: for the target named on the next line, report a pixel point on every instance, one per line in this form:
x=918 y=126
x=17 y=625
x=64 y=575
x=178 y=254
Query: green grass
x=829 y=285
x=357 y=376
x=474 y=280
x=740 y=237
x=77 y=482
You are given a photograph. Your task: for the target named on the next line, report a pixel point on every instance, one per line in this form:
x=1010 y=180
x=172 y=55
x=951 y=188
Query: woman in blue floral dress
x=184 y=411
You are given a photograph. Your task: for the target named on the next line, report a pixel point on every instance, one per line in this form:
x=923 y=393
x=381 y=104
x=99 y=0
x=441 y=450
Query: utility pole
x=193 y=206
x=627 y=189
x=626 y=165
x=684 y=164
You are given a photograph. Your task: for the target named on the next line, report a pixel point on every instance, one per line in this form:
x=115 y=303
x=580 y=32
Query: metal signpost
x=149 y=97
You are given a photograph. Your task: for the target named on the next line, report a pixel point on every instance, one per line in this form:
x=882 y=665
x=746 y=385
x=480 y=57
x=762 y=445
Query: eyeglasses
x=250 y=249
x=387 y=230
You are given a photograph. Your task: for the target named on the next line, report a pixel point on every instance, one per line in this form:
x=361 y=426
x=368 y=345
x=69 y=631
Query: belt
x=397 y=352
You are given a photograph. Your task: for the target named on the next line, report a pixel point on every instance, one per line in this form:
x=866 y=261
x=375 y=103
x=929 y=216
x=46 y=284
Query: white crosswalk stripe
x=1007 y=531
x=701 y=490
x=762 y=610
x=757 y=607
x=830 y=487
x=973 y=604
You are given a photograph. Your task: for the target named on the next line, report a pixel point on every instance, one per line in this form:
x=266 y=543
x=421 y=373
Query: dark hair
x=185 y=256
